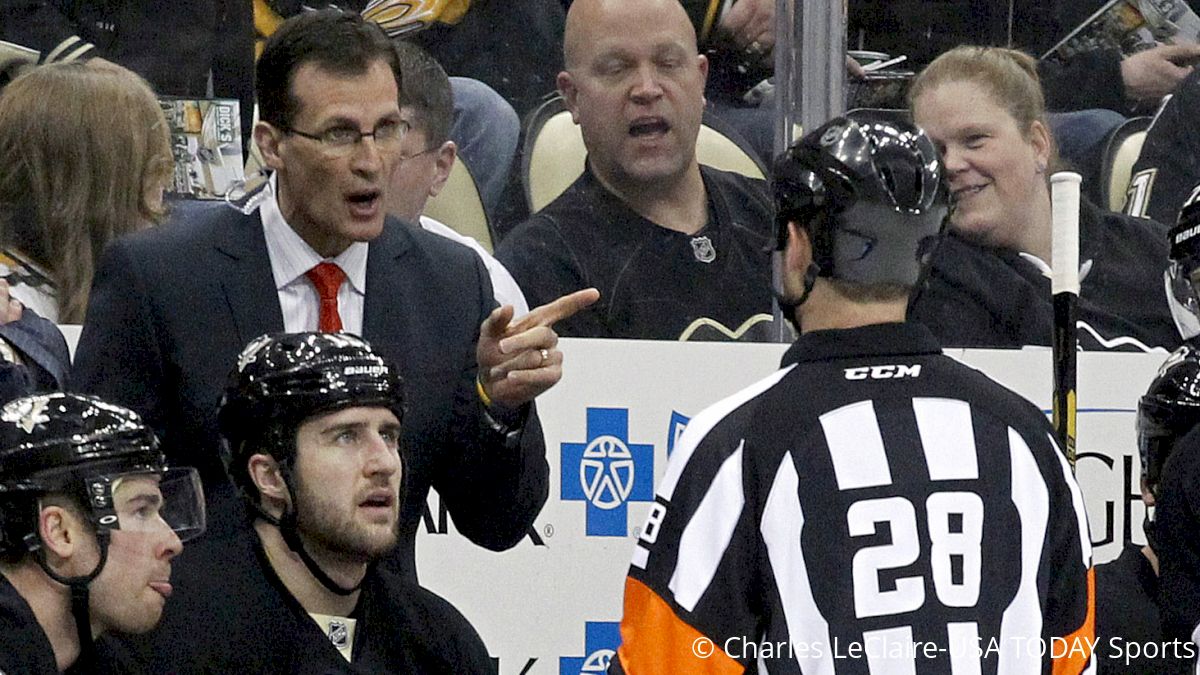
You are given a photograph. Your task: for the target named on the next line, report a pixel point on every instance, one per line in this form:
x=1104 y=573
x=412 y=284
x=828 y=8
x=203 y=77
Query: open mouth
x=648 y=126
x=364 y=202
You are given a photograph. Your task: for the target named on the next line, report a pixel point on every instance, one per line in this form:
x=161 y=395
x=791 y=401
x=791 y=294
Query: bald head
x=587 y=19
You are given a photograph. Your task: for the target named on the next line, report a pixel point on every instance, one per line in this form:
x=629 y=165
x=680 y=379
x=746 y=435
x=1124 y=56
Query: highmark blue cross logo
x=607 y=472
x=600 y=642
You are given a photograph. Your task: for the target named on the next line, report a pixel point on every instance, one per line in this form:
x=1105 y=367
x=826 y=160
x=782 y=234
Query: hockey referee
x=873 y=506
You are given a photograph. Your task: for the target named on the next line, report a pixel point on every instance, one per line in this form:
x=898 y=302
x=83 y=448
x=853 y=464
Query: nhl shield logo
x=702 y=248
x=338 y=635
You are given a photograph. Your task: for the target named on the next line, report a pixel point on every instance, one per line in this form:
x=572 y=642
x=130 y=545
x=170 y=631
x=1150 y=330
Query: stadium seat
x=1121 y=152
x=553 y=153
x=460 y=207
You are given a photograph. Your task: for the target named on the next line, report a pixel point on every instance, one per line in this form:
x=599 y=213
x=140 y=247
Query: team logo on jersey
x=703 y=249
x=339 y=635
x=607 y=472
x=600 y=642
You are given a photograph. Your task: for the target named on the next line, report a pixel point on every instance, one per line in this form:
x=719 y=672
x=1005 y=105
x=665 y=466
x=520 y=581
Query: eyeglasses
x=426 y=151
x=342 y=139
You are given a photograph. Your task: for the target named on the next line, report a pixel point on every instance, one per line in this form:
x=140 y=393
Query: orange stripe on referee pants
x=1075 y=660
x=655 y=640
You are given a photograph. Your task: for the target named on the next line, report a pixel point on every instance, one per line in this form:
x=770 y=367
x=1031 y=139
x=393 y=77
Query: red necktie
x=327 y=277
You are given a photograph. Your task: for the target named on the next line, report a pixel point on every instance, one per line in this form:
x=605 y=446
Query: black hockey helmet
x=98 y=455
x=871 y=195
x=81 y=446
x=284 y=378
x=280 y=381
x=1183 y=271
x=1168 y=410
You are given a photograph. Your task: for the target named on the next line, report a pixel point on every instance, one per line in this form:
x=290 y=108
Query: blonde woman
x=985 y=110
x=84 y=158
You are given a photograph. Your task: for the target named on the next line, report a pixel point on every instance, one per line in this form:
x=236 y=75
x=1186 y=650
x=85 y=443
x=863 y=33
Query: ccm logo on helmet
x=883 y=372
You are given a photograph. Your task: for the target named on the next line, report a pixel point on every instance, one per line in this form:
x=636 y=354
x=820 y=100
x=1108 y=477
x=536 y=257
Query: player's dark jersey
x=874 y=506
x=24 y=647
x=1166 y=175
x=1177 y=526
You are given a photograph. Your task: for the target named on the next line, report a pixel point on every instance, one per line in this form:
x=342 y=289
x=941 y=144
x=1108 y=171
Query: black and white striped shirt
x=874 y=506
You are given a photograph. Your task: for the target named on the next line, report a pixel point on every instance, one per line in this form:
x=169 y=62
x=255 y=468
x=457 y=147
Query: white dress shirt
x=292 y=257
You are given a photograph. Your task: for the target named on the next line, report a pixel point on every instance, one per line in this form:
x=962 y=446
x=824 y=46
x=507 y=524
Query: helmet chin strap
x=290 y=530
x=789 y=305
x=79 y=596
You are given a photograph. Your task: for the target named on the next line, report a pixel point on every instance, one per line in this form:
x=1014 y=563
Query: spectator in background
x=426 y=156
x=1088 y=96
x=983 y=106
x=677 y=250
x=1098 y=79
x=194 y=49
x=86 y=158
x=1166 y=176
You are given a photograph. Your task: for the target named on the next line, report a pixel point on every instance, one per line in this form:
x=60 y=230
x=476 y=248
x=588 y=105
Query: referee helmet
x=870 y=194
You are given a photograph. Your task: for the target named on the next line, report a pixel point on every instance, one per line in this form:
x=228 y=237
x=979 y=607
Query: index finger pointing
x=557 y=310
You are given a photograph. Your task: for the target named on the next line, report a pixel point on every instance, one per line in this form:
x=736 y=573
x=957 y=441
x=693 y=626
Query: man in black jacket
x=311 y=424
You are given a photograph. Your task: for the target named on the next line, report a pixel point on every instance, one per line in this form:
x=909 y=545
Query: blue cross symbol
x=600 y=642
x=607 y=472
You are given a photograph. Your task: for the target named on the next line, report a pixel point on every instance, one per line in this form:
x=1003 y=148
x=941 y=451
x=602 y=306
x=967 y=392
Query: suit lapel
x=245 y=272
x=385 y=288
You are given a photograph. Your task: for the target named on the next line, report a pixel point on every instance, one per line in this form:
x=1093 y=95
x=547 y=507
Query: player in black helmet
x=311 y=427
x=1175 y=534
x=873 y=505
x=90 y=520
x=1127 y=609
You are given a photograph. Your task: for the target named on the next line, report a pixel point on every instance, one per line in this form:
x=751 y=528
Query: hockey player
x=90 y=520
x=1177 y=514
x=1128 y=620
x=874 y=505
x=311 y=424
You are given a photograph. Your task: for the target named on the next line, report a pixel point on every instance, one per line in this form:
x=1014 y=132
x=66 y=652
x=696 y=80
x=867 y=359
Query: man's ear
x=444 y=163
x=264 y=471
x=798 y=254
x=60 y=529
x=267 y=138
x=570 y=94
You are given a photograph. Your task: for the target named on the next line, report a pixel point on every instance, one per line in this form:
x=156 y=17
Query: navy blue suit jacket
x=171 y=308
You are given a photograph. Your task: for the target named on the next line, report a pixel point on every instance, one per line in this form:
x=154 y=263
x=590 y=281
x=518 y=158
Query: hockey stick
x=1064 y=285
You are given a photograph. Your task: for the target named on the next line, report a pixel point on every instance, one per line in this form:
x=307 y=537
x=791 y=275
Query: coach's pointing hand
x=520 y=360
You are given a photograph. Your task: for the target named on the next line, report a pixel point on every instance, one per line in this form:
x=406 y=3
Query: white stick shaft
x=1064 y=248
